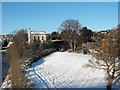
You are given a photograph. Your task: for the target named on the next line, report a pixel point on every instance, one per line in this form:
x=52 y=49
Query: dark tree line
x=72 y=32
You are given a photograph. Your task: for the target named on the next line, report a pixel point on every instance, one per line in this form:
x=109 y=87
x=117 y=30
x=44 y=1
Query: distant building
x=7 y=37
x=39 y=36
x=4 y=40
x=3 y=37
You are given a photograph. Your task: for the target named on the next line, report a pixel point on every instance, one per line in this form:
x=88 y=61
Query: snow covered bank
x=65 y=70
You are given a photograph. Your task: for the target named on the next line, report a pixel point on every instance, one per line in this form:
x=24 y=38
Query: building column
x=29 y=36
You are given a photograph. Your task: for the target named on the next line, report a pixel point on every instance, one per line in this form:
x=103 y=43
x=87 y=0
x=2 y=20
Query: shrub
x=85 y=51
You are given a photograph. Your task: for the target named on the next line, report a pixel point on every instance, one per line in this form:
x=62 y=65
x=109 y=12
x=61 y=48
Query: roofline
x=38 y=31
x=39 y=34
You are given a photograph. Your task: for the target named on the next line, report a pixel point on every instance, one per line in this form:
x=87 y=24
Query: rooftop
x=38 y=32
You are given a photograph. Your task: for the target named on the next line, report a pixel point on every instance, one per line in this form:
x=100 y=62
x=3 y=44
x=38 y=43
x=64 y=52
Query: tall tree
x=17 y=56
x=20 y=39
x=17 y=76
x=85 y=35
x=107 y=58
x=54 y=35
x=69 y=31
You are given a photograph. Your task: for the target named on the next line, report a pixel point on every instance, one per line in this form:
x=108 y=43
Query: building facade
x=36 y=36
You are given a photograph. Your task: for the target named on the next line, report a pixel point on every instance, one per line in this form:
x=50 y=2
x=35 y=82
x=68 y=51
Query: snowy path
x=65 y=70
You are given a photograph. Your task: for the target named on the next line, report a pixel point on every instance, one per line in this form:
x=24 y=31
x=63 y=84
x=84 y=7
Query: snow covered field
x=65 y=70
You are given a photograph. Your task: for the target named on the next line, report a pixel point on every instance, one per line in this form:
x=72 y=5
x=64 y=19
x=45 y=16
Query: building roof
x=38 y=32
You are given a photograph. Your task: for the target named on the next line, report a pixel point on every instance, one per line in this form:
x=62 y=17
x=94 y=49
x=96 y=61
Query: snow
x=9 y=44
x=42 y=32
x=65 y=70
x=7 y=82
x=3 y=50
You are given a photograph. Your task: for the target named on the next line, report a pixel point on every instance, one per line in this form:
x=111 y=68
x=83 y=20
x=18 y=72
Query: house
x=39 y=36
x=7 y=37
x=3 y=37
x=4 y=40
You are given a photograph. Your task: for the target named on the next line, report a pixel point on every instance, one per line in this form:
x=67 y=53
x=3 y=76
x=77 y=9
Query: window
x=38 y=38
x=34 y=38
x=42 y=38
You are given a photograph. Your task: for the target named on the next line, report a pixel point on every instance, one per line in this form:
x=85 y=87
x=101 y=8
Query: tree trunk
x=109 y=87
x=72 y=46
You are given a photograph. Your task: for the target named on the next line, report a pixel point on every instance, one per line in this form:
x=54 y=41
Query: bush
x=85 y=51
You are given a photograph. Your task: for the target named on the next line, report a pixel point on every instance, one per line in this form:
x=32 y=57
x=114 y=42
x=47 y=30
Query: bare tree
x=107 y=58
x=69 y=31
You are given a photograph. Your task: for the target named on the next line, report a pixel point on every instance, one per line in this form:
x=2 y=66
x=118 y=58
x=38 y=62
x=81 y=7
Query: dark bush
x=60 y=45
x=85 y=51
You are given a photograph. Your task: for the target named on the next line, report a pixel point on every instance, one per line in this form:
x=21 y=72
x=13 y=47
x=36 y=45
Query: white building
x=39 y=36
